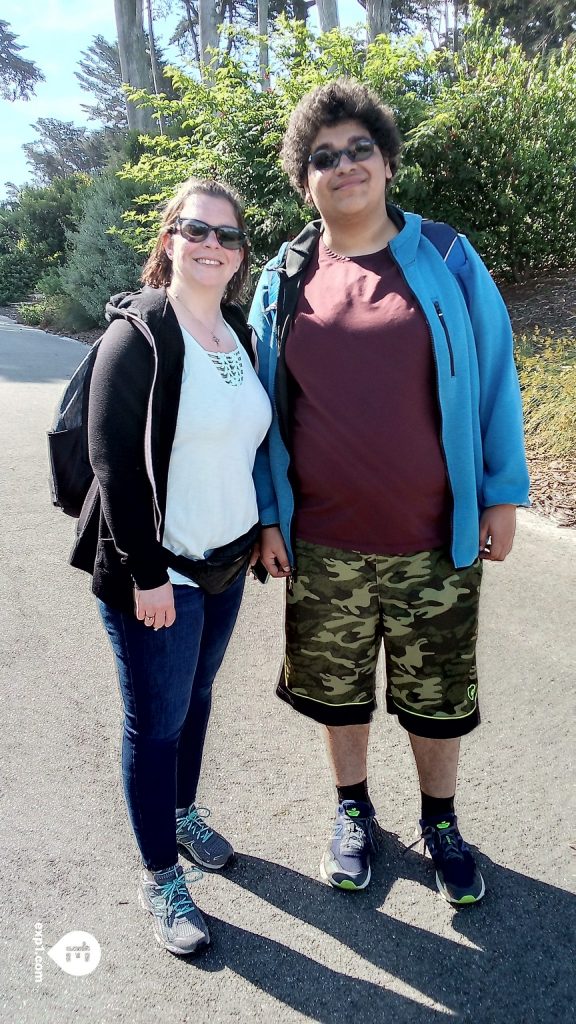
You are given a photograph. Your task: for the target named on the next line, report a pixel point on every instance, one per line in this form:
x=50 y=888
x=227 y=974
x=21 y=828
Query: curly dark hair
x=158 y=267
x=341 y=100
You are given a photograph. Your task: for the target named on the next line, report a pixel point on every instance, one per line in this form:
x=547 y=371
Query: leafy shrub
x=18 y=273
x=58 y=312
x=491 y=136
x=42 y=216
x=495 y=155
x=233 y=132
x=101 y=262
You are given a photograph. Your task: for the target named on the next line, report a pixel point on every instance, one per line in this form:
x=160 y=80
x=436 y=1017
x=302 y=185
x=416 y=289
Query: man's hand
x=155 y=607
x=273 y=553
x=497 y=528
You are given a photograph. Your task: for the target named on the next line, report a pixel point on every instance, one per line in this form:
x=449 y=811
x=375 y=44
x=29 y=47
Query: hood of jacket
x=299 y=252
x=153 y=308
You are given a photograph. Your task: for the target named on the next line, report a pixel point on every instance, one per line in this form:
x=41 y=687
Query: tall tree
x=263 y=55
x=209 y=19
x=63 y=149
x=328 y=14
x=101 y=76
x=18 y=77
x=537 y=26
x=240 y=13
x=378 y=18
x=134 y=59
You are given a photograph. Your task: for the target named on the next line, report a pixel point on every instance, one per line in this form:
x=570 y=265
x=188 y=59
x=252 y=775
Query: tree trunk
x=208 y=19
x=264 y=57
x=378 y=18
x=300 y=9
x=328 y=14
x=192 y=30
x=156 y=70
x=134 y=61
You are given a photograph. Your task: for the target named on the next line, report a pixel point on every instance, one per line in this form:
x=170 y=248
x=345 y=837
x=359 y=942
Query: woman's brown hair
x=157 y=270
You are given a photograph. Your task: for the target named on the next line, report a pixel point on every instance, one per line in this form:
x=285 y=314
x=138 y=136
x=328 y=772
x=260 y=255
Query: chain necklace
x=214 y=336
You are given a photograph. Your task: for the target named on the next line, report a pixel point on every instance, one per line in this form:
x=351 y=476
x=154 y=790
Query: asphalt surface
x=286 y=948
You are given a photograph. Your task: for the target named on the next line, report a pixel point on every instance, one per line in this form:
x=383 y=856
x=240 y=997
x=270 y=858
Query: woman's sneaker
x=178 y=924
x=457 y=875
x=205 y=846
x=346 y=863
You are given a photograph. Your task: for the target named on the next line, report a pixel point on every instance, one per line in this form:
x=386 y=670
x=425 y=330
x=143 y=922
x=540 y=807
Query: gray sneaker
x=205 y=846
x=178 y=924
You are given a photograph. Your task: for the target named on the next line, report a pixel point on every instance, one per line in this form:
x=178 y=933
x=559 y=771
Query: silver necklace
x=214 y=337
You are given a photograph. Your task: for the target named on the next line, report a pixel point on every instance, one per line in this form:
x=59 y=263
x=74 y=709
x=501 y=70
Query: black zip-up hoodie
x=132 y=414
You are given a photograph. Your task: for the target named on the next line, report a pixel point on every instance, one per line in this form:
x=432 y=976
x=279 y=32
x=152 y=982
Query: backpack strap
x=274 y=277
x=446 y=240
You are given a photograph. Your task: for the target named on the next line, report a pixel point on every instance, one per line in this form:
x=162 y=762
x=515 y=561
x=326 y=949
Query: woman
x=176 y=414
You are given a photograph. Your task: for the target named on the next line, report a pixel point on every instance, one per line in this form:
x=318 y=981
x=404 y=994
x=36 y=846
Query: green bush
x=232 y=131
x=491 y=136
x=101 y=262
x=42 y=216
x=59 y=312
x=495 y=155
x=18 y=273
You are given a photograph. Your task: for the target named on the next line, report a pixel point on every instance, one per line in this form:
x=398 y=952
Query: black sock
x=436 y=806
x=357 y=792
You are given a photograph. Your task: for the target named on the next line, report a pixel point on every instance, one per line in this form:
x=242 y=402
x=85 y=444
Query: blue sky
x=54 y=33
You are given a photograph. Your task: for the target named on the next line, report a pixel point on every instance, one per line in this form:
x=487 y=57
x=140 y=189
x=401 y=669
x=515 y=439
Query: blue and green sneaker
x=457 y=876
x=346 y=863
x=203 y=844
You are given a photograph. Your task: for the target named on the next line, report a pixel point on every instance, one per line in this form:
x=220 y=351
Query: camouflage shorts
x=344 y=604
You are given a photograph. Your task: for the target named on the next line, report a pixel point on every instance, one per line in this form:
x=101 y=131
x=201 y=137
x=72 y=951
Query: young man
x=395 y=464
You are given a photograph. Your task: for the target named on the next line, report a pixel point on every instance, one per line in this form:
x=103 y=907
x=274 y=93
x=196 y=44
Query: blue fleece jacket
x=478 y=391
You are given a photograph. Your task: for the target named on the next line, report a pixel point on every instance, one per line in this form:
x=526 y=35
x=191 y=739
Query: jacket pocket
x=447 y=336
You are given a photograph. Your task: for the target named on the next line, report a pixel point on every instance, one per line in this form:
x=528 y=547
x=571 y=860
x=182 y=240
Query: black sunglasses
x=328 y=159
x=198 y=230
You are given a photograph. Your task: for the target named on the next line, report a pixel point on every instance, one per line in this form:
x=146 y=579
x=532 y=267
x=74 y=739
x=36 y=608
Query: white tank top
x=223 y=417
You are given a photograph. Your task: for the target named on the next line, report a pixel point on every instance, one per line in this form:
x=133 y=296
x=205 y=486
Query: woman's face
x=204 y=263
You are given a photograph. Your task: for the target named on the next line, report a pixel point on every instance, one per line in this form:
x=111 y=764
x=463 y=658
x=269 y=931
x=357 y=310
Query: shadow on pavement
x=520 y=972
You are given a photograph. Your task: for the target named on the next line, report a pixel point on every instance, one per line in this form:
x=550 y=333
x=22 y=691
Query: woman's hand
x=273 y=553
x=497 y=529
x=155 y=607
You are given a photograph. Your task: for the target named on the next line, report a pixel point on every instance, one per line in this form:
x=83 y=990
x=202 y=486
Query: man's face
x=353 y=187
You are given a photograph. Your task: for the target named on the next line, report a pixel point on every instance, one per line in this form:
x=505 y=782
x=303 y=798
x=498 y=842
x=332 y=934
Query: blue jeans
x=166 y=686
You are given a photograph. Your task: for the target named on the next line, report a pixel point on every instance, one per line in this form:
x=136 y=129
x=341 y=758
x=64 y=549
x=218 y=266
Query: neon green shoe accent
x=346 y=884
x=443 y=824
x=353 y=812
x=466 y=899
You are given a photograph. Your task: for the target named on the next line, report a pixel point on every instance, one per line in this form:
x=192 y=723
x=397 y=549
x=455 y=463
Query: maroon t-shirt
x=366 y=423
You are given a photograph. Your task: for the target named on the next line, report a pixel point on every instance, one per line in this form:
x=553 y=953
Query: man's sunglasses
x=198 y=230
x=328 y=159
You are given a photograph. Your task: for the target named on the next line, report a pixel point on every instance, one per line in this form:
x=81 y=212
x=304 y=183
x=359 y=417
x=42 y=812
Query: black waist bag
x=222 y=567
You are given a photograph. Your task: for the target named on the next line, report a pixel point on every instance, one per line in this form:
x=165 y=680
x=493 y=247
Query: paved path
x=285 y=947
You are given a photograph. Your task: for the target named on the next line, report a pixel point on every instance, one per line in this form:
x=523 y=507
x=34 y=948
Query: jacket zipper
x=437 y=373
x=447 y=336
x=282 y=371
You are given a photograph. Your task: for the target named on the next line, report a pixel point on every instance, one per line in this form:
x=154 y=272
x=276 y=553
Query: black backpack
x=70 y=471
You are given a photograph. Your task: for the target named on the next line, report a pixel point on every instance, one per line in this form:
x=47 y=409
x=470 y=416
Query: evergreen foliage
x=18 y=76
x=100 y=261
